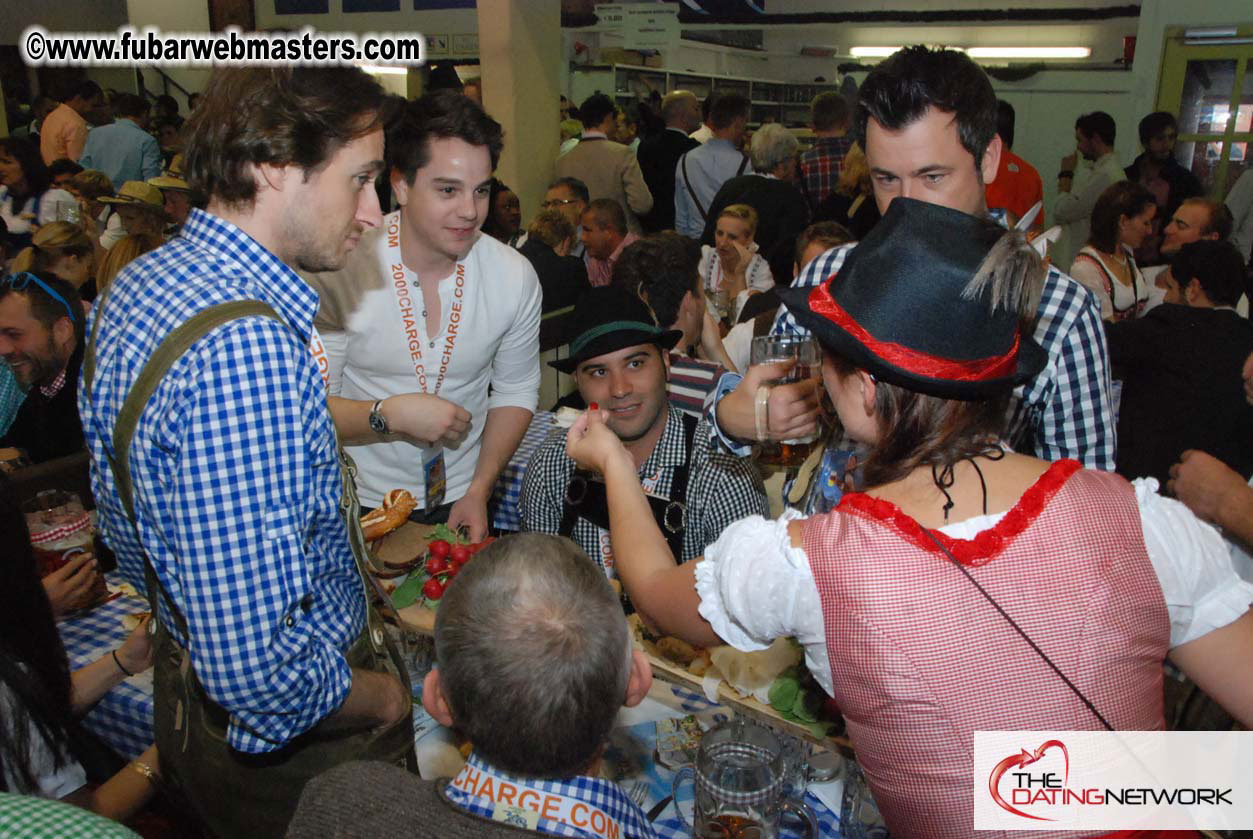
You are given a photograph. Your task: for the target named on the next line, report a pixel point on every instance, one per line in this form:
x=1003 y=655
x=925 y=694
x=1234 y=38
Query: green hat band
x=577 y=345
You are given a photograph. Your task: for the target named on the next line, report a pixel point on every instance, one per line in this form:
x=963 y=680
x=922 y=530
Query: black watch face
x=378 y=423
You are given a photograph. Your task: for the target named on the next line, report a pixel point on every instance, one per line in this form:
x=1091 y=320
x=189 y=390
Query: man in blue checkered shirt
x=237 y=485
x=927 y=119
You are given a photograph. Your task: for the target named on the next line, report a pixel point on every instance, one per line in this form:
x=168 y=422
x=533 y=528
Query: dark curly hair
x=439 y=115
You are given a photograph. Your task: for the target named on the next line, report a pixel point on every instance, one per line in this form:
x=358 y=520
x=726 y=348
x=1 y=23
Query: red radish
x=439 y=548
x=433 y=589
x=460 y=554
x=436 y=565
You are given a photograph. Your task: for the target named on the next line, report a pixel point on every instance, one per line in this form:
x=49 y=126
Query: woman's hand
x=136 y=651
x=592 y=444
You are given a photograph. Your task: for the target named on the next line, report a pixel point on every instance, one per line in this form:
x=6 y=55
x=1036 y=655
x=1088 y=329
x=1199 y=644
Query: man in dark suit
x=659 y=155
x=1181 y=365
x=782 y=211
x=562 y=278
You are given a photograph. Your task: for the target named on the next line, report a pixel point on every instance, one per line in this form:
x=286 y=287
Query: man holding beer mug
x=619 y=361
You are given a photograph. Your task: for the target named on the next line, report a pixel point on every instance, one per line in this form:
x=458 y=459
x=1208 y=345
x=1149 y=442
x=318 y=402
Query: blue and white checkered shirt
x=1064 y=412
x=236 y=480
x=597 y=792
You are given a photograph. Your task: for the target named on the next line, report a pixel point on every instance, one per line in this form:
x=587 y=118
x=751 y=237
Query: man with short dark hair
x=64 y=130
x=620 y=363
x=927 y=119
x=271 y=666
x=537 y=730
x=702 y=171
x=1157 y=170
x=1193 y=220
x=41 y=340
x=829 y=116
x=1084 y=174
x=431 y=328
x=1181 y=364
x=124 y=151
x=608 y=168
x=660 y=153
x=605 y=234
x=1017 y=186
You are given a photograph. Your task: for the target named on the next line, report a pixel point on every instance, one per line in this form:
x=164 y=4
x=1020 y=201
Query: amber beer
x=732 y=827
x=807 y=355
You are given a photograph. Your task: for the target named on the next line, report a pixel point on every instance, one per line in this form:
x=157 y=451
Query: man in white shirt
x=429 y=334
x=1079 y=187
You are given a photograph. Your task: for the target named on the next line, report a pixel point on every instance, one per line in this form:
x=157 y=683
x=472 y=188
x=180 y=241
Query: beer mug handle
x=802 y=812
x=674 y=793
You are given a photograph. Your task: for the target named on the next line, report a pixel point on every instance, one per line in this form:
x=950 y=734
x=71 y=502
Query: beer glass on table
x=767 y=349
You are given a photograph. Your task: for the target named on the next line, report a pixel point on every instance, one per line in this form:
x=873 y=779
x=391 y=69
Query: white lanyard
x=405 y=310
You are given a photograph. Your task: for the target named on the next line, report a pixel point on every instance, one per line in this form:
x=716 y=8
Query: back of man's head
x=1005 y=119
x=439 y=115
x=534 y=655
x=1098 y=124
x=130 y=105
x=901 y=89
x=727 y=108
x=595 y=109
x=829 y=111
x=661 y=270
x=608 y=213
x=675 y=106
x=772 y=146
x=301 y=116
x=1154 y=124
x=1217 y=266
x=86 y=91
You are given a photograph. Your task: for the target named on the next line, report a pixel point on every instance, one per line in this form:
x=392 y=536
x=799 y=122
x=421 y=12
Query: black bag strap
x=586 y=498
x=1043 y=655
x=743 y=165
x=688 y=183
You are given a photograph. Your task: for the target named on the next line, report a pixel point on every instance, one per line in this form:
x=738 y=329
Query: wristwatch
x=378 y=422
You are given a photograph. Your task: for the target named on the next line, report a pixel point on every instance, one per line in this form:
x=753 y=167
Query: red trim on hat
x=919 y=363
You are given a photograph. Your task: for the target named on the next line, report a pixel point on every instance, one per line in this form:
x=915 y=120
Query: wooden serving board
x=402 y=544
x=677 y=674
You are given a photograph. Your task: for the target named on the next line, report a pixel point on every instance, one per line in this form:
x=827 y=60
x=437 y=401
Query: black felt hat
x=607 y=319
x=896 y=307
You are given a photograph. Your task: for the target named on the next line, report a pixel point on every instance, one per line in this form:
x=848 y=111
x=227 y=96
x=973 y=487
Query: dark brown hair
x=439 y=115
x=297 y=116
x=1125 y=198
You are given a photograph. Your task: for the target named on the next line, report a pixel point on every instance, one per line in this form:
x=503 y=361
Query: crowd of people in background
x=392 y=335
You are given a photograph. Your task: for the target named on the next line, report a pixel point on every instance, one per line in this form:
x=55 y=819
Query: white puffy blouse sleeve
x=754 y=587
x=1193 y=565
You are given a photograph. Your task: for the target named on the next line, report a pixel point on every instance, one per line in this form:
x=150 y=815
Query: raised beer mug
x=807 y=354
x=739 y=777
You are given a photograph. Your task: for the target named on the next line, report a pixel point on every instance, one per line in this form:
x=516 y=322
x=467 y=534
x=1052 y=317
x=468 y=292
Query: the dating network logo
x=1029 y=788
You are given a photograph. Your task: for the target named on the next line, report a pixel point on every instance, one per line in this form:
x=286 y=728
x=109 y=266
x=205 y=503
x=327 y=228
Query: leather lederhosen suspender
x=586 y=499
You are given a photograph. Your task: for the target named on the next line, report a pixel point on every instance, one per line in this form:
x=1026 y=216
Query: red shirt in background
x=1017 y=187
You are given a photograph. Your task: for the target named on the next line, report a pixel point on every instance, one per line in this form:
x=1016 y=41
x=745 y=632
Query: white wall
x=445 y=22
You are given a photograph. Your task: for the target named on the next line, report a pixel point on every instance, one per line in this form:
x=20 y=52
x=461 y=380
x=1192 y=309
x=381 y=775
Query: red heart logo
x=1024 y=758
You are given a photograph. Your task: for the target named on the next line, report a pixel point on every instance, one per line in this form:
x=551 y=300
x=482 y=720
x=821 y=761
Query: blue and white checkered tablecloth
x=504 y=503
x=123 y=717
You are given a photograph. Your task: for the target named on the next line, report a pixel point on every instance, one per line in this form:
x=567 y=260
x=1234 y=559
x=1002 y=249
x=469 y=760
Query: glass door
x=1210 y=87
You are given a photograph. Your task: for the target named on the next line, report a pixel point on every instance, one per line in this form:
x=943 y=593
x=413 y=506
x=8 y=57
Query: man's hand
x=1070 y=161
x=376 y=700
x=427 y=419
x=792 y=408
x=69 y=587
x=1206 y=485
x=470 y=511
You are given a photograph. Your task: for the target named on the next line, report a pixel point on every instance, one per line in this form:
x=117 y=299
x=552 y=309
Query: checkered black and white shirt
x=721 y=489
x=236 y=479
x=1064 y=412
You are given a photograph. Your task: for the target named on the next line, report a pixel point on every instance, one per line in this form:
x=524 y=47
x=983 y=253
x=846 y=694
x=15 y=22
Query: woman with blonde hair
x=128 y=249
x=64 y=249
x=732 y=269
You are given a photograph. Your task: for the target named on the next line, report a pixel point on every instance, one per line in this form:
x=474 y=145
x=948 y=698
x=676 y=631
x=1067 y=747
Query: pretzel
x=396 y=508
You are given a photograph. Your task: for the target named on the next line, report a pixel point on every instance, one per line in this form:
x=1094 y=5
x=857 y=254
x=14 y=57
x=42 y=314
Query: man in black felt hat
x=620 y=362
